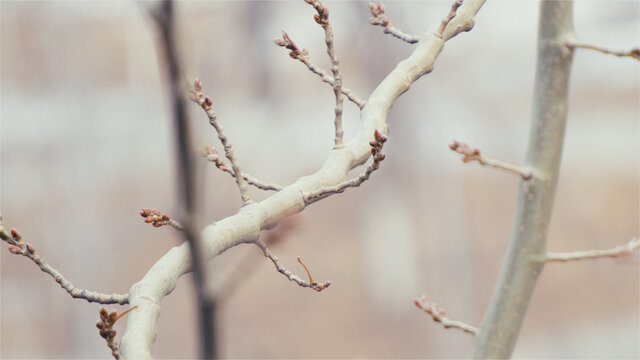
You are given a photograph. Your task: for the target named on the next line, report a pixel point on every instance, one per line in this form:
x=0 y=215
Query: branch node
x=439 y=315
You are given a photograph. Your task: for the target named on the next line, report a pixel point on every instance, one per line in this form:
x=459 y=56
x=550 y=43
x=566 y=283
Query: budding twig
x=281 y=269
x=107 y=332
x=380 y=18
x=378 y=156
x=447 y=20
x=617 y=251
x=633 y=53
x=303 y=57
x=211 y=154
x=475 y=155
x=322 y=18
x=438 y=315
x=157 y=219
x=20 y=247
x=206 y=104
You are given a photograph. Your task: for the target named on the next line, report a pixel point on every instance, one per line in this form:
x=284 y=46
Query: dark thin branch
x=164 y=17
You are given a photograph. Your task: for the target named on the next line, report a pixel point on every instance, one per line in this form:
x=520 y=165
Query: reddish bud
x=208 y=101
x=103 y=314
x=103 y=333
x=111 y=333
x=30 y=249
x=3 y=236
x=15 y=250
x=373 y=21
x=148 y=219
x=145 y=212
x=100 y=324
x=373 y=8
x=112 y=316
x=197 y=85
x=381 y=8
x=381 y=156
x=15 y=235
x=317 y=19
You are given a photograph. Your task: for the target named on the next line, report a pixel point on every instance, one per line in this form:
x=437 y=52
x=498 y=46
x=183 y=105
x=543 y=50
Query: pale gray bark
x=245 y=226
x=526 y=252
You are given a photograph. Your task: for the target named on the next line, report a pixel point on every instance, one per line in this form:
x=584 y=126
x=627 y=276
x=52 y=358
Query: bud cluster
x=287 y=43
x=378 y=18
x=155 y=217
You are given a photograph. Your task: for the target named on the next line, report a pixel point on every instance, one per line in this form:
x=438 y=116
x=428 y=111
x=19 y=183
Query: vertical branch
x=526 y=251
x=164 y=18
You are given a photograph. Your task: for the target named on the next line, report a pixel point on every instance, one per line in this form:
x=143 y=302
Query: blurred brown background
x=86 y=142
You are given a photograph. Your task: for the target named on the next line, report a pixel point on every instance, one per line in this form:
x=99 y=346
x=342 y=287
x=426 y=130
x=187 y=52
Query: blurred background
x=87 y=142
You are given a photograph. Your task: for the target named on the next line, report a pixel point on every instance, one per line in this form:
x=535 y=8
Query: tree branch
x=20 y=247
x=438 y=315
x=245 y=226
x=211 y=154
x=288 y=274
x=633 y=53
x=526 y=251
x=474 y=155
x=380 y=18
x=618 y=251
x=303 y=57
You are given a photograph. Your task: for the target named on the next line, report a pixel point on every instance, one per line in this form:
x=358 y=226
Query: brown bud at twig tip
x=15 y=235
x=112 y=316
x=208 y=101
x=30 y=249
x=103 y=314
x=197 y=85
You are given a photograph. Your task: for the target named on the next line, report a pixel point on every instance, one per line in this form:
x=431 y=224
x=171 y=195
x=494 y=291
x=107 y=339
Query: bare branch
x=20 y=247
x=322 y=18
x=378 y=156
x=524 y=258
x=380 y=18
x=245 y=226
x=281 y=269
x=157 y=219
x=475 y=155
x=107 y=332
x=447 y=20
x=206 y=104
x=211 y=154
x=438 y=315
x=618 y=251
x=303 y=57
x=633 y=53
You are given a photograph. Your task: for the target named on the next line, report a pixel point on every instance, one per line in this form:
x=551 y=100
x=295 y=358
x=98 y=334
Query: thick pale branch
x=245 y=226
x=288 y=274
x=211 y=154
x=633 y=53
x=380 y=18
x=378 y=156
x=618 y=251
x=20 y=247
x=526 y=251
x=438 y=315
x=475 y=155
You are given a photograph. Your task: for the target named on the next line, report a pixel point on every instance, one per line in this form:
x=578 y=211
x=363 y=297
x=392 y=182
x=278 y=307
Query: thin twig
x=281 y=269
x=303 y=57
x=475 y=155
x=633 y=53
x=322 y=18
x=617 y=251
x=20 y=247
x=206 y=104
x=380 y=18
x=378 y=156
x=157 y=219
x=447 y=20
x=211 y=154
x=438 y=315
